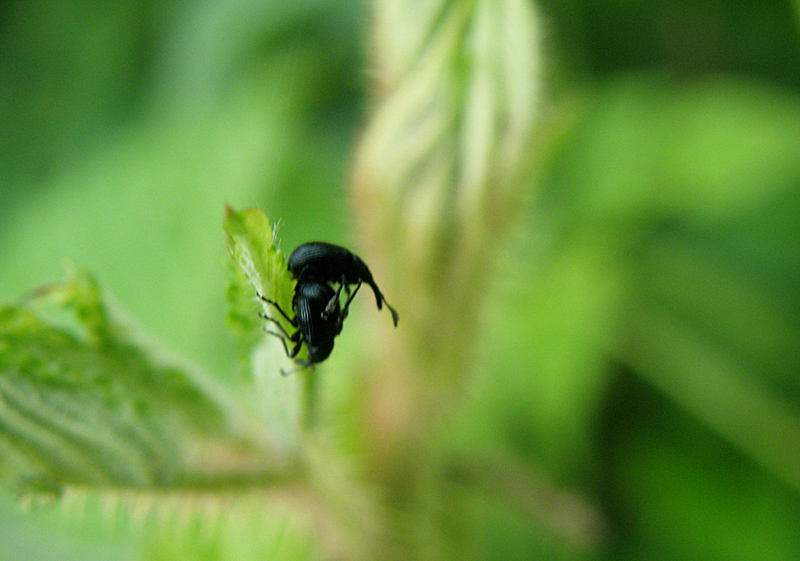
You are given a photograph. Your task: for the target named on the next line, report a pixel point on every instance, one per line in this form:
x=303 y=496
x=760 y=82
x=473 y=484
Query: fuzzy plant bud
x=438 y=178
x=440 y=169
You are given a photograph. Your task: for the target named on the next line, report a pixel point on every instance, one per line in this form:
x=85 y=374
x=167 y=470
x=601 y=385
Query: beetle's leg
x=350 y=297
x=274 y=303
x=296 y=338
x=301 y=365
x=283 y=340
x=335 y=300
x=283 y=333
x=295 y=349
x=343 y=311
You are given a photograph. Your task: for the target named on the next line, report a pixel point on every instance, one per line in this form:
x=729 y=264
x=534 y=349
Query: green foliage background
x=597 y=355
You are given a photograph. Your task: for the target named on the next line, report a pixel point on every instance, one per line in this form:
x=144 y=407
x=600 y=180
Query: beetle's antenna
x=395 y=317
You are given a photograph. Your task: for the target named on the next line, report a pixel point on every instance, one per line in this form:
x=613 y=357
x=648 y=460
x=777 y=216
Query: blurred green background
x=644 y=326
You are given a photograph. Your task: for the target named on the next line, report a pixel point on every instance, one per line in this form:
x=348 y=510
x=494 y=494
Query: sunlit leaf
x=84 y=401
x=259 y=268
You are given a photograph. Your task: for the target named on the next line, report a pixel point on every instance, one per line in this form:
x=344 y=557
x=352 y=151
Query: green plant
x=596 y=356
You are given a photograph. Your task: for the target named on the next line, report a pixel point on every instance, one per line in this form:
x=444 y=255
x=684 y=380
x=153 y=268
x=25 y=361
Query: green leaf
x=252 y=243
x=83 y=400
x=256 y=267
x=259 y=268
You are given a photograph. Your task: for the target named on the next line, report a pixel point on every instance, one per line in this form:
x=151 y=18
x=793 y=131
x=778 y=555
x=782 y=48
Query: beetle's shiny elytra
x=328 y=263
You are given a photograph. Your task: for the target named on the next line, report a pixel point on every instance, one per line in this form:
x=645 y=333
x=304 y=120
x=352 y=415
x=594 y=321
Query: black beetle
x=325 y=262
x=314 y=328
